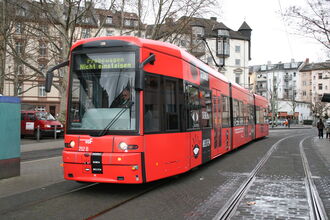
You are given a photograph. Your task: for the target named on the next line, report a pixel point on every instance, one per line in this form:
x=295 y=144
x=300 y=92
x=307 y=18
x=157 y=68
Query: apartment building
x=281 y=84
x=215 y=44
x=316 y=82
x=30 y=26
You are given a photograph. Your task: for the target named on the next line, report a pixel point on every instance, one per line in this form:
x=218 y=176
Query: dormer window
x=21 y=12
x=108 y=20
x=127 y=22
x=197 y=31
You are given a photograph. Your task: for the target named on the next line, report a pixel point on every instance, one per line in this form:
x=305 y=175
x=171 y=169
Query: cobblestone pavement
x=275 y=197
x=280 y=193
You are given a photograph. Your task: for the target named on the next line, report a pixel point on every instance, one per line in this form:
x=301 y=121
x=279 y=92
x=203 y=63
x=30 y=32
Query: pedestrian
x=328 y=130
x=320 y=127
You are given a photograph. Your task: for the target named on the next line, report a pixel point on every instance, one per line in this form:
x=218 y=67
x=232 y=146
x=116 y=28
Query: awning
x=325 y=97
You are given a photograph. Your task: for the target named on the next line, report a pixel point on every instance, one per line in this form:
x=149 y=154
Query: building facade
x=35 y=41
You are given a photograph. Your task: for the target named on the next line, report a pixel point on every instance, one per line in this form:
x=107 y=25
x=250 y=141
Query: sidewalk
x=292 y=126
x=36 y=173
x=42 y=145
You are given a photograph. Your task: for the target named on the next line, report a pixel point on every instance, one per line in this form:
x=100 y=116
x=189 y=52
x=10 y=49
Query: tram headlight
x=123 y=146
x=70 y=145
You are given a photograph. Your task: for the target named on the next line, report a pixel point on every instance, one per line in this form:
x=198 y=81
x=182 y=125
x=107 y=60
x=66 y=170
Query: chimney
x=307 y=61
x=213 y=18
x=169 y=20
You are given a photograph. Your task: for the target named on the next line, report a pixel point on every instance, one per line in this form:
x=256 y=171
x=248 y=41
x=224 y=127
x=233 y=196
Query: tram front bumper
x=103 y=167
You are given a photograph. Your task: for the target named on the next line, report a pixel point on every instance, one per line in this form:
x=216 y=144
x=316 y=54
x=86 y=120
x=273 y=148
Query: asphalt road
x=198 y=194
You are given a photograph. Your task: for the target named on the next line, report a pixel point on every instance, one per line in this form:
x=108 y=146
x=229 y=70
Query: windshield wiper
x=115 y=119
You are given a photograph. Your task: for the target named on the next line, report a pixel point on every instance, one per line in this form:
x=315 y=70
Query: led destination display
x=100 y=61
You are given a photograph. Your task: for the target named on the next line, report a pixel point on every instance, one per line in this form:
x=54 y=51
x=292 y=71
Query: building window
x=42 y=67
x=294 y=74
x=136 y=23
x=238 y=77
x=304 y=93
x=43 y=49
x=18 y=28
x=127 y=22
x=43 y=29
x=85 y=33
x=326 y=87
x=108 y=20
x=237 y=49
x=320 y=86
x=42 y=92
x=197 y=31
x=320 y=75
x=109 y=33
x=223 y=47
x=304 y=83
x=21 y=12
x=19 y=47
x=237 y=62
x=20 y=70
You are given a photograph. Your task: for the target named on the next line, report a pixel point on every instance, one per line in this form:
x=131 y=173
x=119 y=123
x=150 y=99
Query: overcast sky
x=271 y=39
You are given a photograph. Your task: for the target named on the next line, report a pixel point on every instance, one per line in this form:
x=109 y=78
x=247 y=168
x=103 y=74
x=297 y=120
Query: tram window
x=171 y=105
x=206 y=105
x=193 y=107
x=152 y=104
x=251 y=114
x=225 y=111
x=266 y=115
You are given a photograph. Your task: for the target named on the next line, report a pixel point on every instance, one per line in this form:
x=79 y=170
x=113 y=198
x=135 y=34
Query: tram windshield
x=102 y=94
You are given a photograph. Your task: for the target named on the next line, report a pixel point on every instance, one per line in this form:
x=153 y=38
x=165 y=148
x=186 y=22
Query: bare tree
x=52 y=25
x=161 y=13
x=312 y=21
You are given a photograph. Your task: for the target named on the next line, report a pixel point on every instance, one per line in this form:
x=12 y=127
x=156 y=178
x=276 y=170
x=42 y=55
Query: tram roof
x=160 y=46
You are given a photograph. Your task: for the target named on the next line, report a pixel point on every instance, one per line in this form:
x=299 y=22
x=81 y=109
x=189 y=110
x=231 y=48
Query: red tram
x=141 y=110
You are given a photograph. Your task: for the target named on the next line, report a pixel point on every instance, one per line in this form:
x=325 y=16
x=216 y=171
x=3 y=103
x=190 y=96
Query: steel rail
x=228 y=210
x=317 y=208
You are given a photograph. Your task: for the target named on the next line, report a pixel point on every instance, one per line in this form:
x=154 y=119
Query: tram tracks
x=316 y=206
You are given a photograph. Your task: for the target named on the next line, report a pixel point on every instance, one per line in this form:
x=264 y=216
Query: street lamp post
x=222 y=35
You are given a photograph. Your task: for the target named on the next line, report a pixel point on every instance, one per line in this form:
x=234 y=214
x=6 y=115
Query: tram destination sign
x=100 y=61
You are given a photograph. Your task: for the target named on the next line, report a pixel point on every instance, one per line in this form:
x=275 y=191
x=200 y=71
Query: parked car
x=32 y=120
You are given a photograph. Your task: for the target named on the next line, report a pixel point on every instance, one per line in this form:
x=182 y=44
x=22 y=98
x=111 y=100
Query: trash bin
x=10 y=140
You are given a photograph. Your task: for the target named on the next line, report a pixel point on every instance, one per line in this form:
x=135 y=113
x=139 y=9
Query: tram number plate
x=96 y=161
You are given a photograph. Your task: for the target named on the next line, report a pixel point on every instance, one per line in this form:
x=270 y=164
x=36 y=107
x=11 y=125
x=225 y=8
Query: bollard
x=55 y=133
x=38 y=133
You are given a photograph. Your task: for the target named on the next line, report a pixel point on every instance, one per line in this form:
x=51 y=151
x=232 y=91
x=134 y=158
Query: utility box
x=10 y=136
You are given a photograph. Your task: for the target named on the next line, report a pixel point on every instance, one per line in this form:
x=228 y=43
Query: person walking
x=320 y=127
x=328 y=130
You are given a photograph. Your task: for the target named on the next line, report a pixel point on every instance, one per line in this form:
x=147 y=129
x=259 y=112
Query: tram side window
x=206 y=105
x=171 y=104
x=258 y=114
x=251 y=114
x=152 y=104
x=266 y=115
x=193 y=107
x=225 y=111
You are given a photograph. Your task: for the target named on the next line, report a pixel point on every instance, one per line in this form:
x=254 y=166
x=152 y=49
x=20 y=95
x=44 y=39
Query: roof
x=209 y=26
x=245 y=26
x=316 y=66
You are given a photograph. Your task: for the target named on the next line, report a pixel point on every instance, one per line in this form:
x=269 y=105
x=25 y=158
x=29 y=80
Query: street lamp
x=222 y=36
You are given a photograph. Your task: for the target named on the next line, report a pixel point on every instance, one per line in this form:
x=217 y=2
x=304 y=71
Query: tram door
x=206 y=123
x=216 y=100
